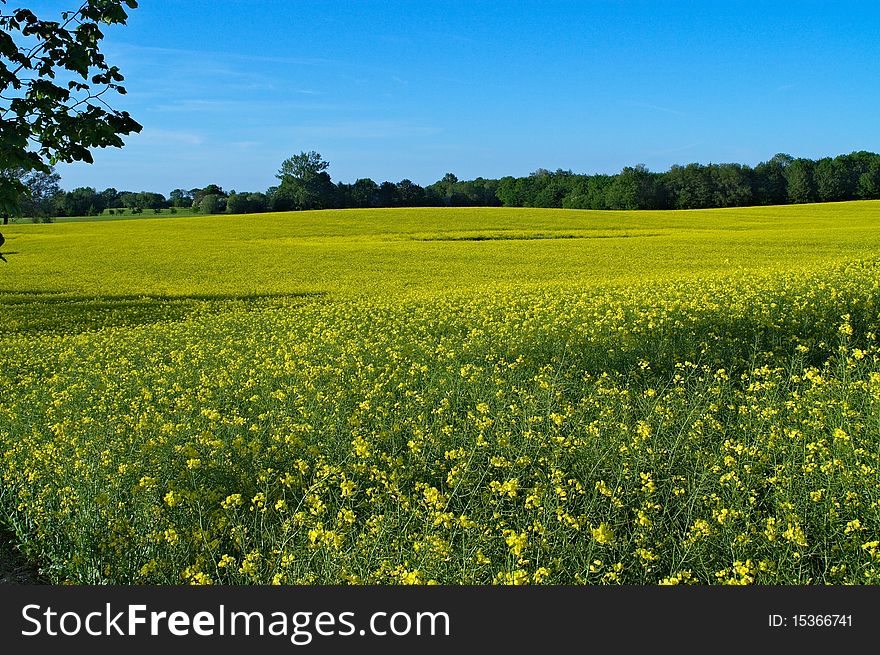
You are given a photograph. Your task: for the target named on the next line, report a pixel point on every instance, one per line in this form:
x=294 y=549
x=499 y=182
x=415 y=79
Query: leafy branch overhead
x=53 y=84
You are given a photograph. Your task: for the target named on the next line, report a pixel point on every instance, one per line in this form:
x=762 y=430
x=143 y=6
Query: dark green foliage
x=246 y=203
x=363 y=193
x=212 y=204
x=781 y=180
x=305 y=183
x=635 y=188
x=801 y=183
x=83 y=201
x=141 y=200
x=52 y=77
x=198 y=194
x=410 y=194
x=770 y=186
x=869 y=181
x=181 y=198
x=40 y=190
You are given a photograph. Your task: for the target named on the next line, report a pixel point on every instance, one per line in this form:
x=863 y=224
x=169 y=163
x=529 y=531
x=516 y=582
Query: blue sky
x=226 y=90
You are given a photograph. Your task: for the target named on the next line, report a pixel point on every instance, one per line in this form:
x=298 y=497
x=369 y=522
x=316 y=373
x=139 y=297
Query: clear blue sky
x=226 y=90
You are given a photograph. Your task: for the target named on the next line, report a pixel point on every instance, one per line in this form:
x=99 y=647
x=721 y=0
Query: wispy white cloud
x=251 y=105
x=158 y=136
x=185 y=54
x=364 y=130
x=674 y=149
x=665 y=110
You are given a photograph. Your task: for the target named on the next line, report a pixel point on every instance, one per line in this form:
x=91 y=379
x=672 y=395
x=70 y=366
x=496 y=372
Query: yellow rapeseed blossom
x=603 y=534
x=447 y=395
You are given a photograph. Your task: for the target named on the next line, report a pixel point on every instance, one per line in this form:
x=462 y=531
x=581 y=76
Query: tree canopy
x=305 y=183
x=53 y=84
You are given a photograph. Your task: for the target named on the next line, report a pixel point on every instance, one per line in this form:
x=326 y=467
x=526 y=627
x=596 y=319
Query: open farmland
x=466 y=396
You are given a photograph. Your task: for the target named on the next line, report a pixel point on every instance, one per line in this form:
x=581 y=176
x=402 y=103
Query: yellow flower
x=516 y=541
x=173 y=499
x=603 y=535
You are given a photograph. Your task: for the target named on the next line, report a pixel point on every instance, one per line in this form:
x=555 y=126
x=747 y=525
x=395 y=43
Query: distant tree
x=449 y=179
x=597 y=191
x=770 y=185
x=281 y=199
x=731 y=185
x=410 y=194
x=151 y=200
x=857 y=164
x=507 y=192
x=386 y=196
x=142 y=200
x=801 y=185
x=302 y=166
x=53 y=79
x=305 y=184
x=852 y=167
x=633 y=188
x=42 y=187
x=479 y=192
x=690 y=186
x=831 y=179
x=211 y=204
x=257 y=202
x=181 y=198
x=82 y=201
x=237 y=203
x=490 y=197
x=549 y=189
x=110 y=198
x=210 y=190
x=40 y=190
x=869 y=181
x=214 y=190
x=445 y=188
x=588 y=192
x=466 y=193
x=130 y=200
x=364 y=193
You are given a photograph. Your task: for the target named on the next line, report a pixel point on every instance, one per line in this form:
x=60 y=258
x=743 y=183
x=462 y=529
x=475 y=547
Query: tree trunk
x=5 y=219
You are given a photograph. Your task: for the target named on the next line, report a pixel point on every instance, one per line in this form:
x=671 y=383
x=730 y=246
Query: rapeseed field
x=452 y=396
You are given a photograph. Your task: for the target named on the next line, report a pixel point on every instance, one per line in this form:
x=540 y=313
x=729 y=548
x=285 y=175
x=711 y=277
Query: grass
x=453 y=395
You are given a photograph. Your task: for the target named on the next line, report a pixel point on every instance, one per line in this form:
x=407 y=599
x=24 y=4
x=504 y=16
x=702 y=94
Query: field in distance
x=462 y=396
x=393 y=250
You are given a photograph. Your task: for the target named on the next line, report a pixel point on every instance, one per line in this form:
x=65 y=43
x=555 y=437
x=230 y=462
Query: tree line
x=305 y=184
x=781 y=180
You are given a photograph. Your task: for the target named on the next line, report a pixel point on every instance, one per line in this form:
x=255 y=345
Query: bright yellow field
x=453 y=395
x=390 y=250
